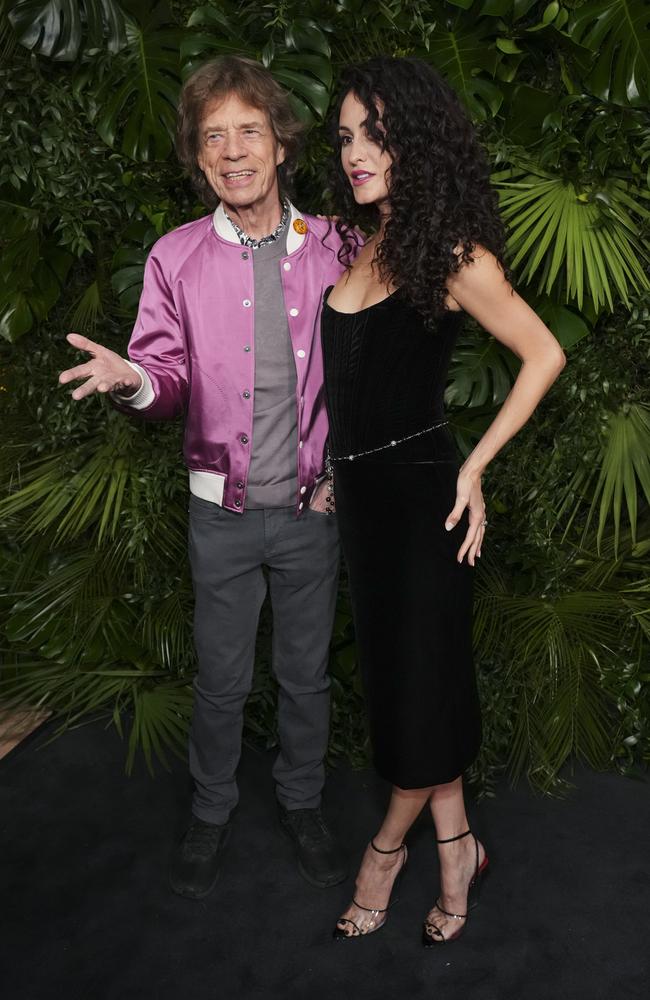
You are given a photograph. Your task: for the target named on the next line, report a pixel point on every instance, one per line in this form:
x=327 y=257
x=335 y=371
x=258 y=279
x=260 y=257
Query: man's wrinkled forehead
x=230 y=109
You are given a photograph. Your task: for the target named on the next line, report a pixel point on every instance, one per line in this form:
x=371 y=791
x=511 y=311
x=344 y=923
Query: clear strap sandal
x=373 y=924
x=431 y=933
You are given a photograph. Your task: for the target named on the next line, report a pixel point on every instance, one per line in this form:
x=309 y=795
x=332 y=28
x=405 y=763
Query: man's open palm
x=105 y=372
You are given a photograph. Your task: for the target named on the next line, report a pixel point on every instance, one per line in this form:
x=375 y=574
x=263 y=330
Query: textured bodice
x=385 y=375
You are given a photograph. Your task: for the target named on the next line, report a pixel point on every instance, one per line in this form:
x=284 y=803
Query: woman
x=412 y=522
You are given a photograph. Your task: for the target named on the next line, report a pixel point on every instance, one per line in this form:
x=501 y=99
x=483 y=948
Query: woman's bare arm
x=481 y=289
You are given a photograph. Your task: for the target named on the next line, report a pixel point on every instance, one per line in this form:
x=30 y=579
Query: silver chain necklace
x=250 y=241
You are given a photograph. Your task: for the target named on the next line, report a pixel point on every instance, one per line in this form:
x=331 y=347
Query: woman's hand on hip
x=469 y=494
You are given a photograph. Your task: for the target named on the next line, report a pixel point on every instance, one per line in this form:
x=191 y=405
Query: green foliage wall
x=96 y=598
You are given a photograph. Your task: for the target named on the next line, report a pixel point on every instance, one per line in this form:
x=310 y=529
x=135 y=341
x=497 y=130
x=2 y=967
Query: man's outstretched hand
x=105 y=372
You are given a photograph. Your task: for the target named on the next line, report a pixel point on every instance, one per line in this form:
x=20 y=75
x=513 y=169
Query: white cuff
x=143 y=397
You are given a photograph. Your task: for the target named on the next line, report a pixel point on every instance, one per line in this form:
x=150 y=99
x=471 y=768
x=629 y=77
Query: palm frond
x=489 y=623
x=555 y=650
x=577 y=721
x=618 y=473
x=580 y=239
x=60 y=600
x=102 y=487
x=166 y=628
x=87 y=310
x=161 y=716
x=160 y=706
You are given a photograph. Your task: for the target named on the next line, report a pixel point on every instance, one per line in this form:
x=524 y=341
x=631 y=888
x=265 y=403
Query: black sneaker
x=196 y=862
x=320 y=860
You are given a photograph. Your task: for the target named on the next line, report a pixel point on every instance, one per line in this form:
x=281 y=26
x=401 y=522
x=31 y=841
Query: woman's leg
x=379 y=871
x=457 y=859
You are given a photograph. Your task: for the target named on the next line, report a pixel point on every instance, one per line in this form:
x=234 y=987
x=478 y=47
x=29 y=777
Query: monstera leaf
x=567 y=325
x=138 y=93
x=618 y=32
x=128 y=264
x=299 y=60
x=482 y=371
x=461 y=54
x=61 y=29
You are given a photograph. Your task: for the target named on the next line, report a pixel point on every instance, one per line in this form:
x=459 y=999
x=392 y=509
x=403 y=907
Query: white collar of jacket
x=223 y=228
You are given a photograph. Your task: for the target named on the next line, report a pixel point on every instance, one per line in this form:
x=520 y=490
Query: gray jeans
x=227 y=552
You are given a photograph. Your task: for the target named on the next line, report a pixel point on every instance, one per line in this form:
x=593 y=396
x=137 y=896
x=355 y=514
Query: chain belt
x=382 y=447
x=329 y=459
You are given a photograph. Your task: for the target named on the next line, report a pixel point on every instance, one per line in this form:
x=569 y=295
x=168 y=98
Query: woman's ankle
x=383 y=843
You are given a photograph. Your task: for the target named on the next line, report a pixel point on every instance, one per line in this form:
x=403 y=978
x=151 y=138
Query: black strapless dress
x=385 y=375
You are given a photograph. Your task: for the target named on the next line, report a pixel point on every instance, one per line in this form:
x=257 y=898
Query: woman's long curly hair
x=439 y=188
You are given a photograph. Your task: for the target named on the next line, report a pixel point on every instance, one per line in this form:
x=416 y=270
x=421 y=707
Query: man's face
x=238 y=153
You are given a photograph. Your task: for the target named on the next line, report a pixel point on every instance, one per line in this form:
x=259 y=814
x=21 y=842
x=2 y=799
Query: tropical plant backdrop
x=96 y=597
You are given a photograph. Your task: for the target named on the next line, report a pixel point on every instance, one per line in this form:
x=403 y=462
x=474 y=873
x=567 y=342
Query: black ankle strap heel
x=340 y=934
x=459 y=836
x=431 y=933
x=380 y=850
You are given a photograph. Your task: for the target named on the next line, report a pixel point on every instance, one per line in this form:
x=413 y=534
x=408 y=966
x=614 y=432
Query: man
x=228 y=334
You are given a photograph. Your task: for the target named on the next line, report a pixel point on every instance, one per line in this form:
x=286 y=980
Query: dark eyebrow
x=363 y=124
x=220 y=127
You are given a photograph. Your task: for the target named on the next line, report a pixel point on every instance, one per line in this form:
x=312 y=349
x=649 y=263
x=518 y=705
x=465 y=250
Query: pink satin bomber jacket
x=194 y=344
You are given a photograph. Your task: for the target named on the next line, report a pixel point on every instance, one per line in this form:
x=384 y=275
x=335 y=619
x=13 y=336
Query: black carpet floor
x=86 y=911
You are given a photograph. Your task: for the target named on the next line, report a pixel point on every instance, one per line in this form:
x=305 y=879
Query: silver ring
x=483 y=524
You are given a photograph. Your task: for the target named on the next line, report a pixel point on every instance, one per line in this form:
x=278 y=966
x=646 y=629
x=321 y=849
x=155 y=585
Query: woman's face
x=364 y=161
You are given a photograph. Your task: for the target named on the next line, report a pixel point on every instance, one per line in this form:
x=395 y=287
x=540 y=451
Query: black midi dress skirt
x=385 y=375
